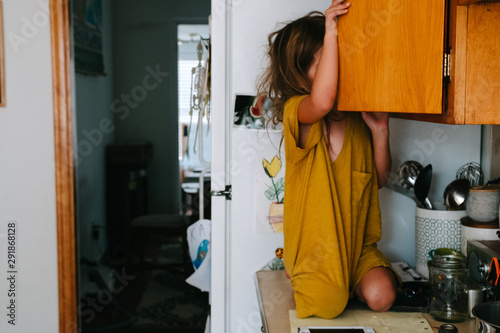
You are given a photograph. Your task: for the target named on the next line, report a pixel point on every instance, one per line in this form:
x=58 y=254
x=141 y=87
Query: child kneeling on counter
x=336 y=162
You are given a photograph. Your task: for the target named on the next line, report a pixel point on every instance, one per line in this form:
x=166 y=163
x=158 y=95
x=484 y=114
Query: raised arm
x=324 y=70
x=379 y=125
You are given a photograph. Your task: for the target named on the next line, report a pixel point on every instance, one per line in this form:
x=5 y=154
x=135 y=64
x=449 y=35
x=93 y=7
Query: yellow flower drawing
x=272 y=169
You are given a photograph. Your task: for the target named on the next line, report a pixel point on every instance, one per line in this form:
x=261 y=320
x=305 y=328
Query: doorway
x=128 y=103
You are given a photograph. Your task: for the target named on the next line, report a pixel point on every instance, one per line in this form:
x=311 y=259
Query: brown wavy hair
x=291 y=52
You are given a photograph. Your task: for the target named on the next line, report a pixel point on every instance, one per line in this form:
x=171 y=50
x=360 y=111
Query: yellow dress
x=331 y=216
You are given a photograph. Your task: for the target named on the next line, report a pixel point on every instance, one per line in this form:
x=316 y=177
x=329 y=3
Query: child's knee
x=382 y=304
x=321 y=301
x=381 y=297
x=377 y=289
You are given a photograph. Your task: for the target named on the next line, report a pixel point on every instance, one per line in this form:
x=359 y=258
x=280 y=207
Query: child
x=335 y=164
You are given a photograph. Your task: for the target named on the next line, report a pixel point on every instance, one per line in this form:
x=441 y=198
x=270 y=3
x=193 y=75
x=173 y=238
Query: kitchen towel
x=382 y=322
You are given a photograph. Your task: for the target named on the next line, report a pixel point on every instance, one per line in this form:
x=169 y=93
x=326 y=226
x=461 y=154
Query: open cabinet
x=427 y=60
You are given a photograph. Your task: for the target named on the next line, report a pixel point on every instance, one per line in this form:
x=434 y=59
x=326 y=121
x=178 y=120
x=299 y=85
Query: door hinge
x=226 y=193
x=447 y=66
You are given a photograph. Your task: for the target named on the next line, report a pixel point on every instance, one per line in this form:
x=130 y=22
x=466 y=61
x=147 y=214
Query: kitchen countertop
x=275 y=296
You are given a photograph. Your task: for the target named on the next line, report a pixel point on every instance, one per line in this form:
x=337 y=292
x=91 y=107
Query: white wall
x=447 y=148
x=491 y=152
x=27 y=193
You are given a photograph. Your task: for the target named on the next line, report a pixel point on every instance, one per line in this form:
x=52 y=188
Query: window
x=188 y=38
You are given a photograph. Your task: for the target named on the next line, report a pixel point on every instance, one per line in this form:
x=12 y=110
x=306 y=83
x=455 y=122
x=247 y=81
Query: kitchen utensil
x=482 y=203
x=471 y=171
x=474 y=297
x=455 y=194
x=487 y=313
x=422 y=186
x=408 y=172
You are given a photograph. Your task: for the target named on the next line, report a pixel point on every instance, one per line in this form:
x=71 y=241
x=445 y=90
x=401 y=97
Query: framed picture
x=87 y=37
x=2 y=60
x=251 y=111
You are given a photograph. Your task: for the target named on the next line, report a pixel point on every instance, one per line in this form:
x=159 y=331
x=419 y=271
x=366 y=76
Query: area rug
x=168 y=301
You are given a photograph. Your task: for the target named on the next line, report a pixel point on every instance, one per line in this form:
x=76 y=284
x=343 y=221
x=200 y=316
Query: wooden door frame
x=61 y=85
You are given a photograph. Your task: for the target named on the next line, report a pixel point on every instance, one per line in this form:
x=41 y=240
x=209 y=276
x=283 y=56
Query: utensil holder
x=435 y=229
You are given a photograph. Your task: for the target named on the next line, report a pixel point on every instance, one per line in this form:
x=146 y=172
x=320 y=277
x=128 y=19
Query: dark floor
x=121 y=314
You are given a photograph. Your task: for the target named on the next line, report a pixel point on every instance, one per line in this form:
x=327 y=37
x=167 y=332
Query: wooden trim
x=470 y=2
x=61 y=74
x=459 y=66
x=483 y=69
x=2 y=60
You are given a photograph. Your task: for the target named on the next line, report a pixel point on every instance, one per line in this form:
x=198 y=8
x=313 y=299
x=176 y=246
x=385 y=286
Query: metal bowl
x=489 y=316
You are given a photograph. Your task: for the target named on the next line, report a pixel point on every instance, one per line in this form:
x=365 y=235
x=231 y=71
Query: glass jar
x=448 y=282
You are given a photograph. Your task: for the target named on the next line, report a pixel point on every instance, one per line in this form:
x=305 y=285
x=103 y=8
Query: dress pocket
x=360 y=181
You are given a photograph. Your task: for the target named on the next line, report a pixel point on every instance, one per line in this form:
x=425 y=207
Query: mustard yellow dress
x=331 y=215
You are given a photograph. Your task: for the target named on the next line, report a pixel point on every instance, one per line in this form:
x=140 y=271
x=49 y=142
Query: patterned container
x=435 y=229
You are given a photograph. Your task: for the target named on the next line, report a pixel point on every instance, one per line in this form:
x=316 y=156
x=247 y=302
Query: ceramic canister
x=482 y=203
x=474 y=231
x=435 y=229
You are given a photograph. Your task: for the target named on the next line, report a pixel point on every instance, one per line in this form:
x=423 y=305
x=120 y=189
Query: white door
x=220 y=162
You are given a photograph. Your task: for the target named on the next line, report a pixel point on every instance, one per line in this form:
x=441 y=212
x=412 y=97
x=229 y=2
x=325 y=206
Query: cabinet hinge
x=226 y=193
x=447 y=65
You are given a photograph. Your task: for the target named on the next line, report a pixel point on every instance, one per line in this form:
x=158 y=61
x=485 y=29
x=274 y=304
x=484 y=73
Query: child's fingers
x=339 y=3
x=335 y=13
x=338 y=9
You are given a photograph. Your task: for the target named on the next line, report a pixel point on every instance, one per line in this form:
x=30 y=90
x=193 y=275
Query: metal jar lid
x=449 y=261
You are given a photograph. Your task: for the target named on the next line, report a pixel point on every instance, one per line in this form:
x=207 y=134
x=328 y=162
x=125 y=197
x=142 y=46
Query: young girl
x=335 y=165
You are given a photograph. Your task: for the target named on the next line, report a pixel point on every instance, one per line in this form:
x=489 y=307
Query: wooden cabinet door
x=482 y=103
x=391 y=56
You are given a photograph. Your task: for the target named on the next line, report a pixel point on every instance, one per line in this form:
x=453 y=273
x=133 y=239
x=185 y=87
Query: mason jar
x=448 y=283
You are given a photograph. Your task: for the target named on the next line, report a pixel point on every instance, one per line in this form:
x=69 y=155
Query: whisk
x=471 y=171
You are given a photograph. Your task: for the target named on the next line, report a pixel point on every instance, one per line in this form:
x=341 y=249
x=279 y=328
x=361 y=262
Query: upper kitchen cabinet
x=430 y=60
x=391 y=56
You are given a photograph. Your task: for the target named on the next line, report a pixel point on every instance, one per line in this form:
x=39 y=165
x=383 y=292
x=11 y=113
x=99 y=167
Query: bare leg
x=377 y=289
